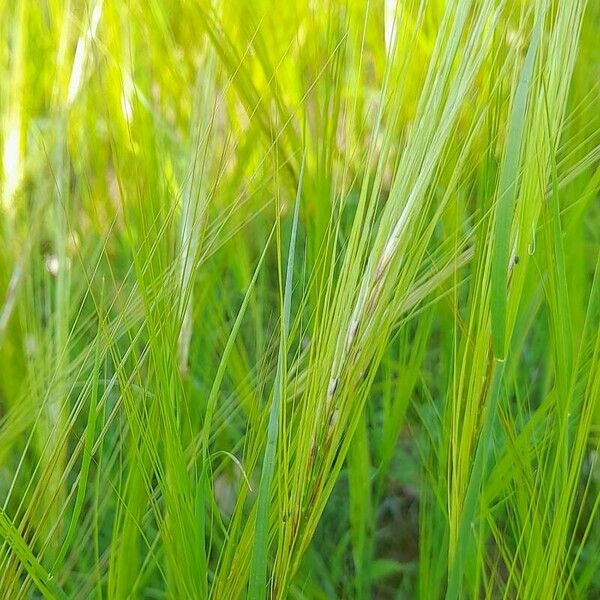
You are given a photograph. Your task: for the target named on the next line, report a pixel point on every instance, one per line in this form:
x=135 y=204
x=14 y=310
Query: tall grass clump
x=300 y=300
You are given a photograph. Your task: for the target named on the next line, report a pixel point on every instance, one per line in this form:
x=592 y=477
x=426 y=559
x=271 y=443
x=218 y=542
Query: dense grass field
x=300 y=299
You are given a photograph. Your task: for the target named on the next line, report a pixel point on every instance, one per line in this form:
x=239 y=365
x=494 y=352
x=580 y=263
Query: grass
x=299 y=300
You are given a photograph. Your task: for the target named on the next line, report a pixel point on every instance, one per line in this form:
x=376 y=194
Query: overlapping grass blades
x=299 y=300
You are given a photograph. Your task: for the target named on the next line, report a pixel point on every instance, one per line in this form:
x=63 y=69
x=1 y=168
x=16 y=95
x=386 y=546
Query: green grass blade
x=507 y=194
x=257 y=588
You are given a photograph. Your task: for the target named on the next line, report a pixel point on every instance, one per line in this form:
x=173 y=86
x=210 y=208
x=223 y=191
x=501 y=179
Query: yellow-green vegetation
x=300 y=299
